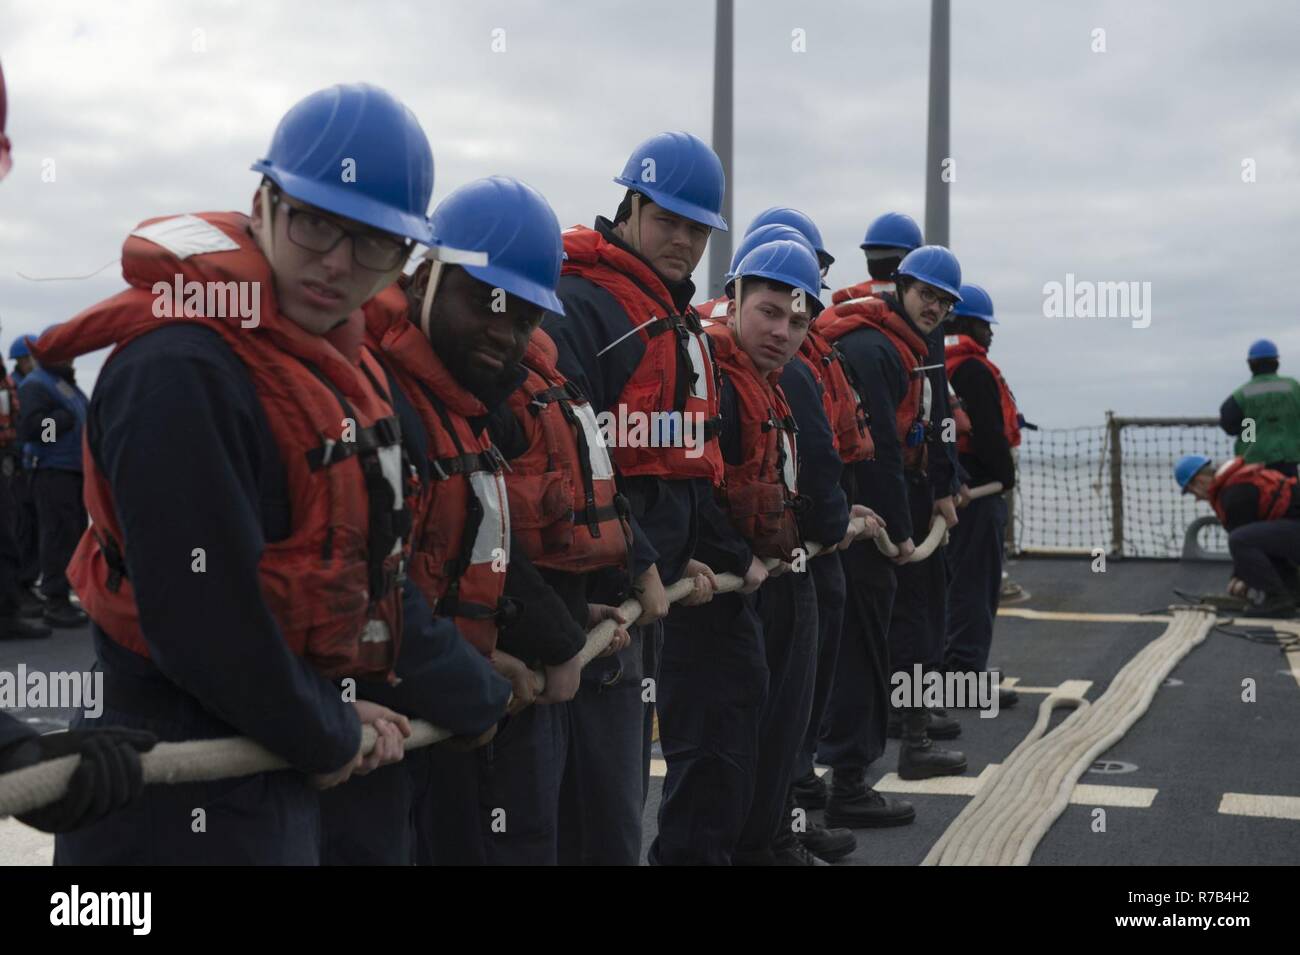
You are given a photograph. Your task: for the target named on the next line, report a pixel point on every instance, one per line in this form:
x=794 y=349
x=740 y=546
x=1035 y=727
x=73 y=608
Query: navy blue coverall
x=608 y=760
x=975 y=546
x=177 y=428
x=824 y=520
x=854 y=730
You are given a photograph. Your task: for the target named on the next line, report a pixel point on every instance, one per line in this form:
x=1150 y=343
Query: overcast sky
x=1116 y=166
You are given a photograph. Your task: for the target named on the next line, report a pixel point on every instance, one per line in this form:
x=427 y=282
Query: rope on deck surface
x=1006 y=819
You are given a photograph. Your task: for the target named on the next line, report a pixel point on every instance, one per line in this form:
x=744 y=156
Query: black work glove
x=107 y=778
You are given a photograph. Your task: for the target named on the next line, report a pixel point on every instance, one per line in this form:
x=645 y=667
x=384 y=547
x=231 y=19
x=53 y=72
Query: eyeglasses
x=930 y=297
x=316 y=233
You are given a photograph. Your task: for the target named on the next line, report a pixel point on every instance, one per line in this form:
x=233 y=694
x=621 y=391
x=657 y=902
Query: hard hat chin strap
x=426 y=297
x=266 y=231
x=736 y=299
x=634 y=223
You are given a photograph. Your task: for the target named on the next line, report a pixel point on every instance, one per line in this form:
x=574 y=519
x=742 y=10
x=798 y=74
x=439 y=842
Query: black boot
x=60 y=613
x=918 y=757
x=941 y=725
x=856 y=805
x=1007 y=697
x=1275 y=607
x=16 y=628
x=788 y=850
x=29 y=604
x=830 y=845
x=809 y=791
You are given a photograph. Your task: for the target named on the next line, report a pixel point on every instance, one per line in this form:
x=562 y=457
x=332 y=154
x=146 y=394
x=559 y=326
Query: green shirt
x=1272 y=402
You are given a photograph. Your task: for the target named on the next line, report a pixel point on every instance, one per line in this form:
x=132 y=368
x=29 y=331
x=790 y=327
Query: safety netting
x=1110 y=488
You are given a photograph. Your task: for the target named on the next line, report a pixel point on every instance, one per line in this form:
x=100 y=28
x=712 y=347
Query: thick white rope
x=205 y=760
x=938 y=534
x=1004 y=822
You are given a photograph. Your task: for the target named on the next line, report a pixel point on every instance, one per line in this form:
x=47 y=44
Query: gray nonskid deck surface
x=1197 y=742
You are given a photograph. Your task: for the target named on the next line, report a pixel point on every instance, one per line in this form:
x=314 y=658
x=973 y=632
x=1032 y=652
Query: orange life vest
x=959 y=349
x=332 y=585
x=8 y=413
x=849 y=418
x=848 y=415
x=912 y=416
x=564 y=508
x=715 y=309
x=760 y=494
x=959 y=415
x=460 y=540
x=1276 y=490
x=676 y=373
x=871 y=288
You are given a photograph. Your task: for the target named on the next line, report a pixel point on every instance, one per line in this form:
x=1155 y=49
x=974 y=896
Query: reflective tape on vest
x=602 y=469
x=390 y=465
x=188 y=235
x=700 y=382
x=788 y=473
x=1265 y=388
x=493 y=536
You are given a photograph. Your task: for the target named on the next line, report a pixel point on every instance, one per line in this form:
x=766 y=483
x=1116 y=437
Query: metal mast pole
x=723 y=72
x=936 y=150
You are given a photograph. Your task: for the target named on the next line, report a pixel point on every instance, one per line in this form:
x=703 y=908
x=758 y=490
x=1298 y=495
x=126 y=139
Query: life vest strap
x=594 y=516
x=506 y=612
x=114 y=557
x=566 y=392
x=489 y=460
x=384 y=433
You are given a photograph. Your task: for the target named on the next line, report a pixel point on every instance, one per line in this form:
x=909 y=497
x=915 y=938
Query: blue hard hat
x=512 y=223
x=893 y=230
x=1261 y=349
x=763 y=235
x=934 y=265
x=681 y=173
x=364 y=130
x=1188 y=467
x=975 y=303
x=784 y=215
x=19 y=348
x=788 y=262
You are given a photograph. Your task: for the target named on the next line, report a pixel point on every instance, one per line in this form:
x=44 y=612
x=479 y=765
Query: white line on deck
x=1264 y=807
x=1067 y=688
x=1026 y=614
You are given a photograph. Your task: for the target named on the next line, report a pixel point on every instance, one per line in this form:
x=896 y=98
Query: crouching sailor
x=1260 y=510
